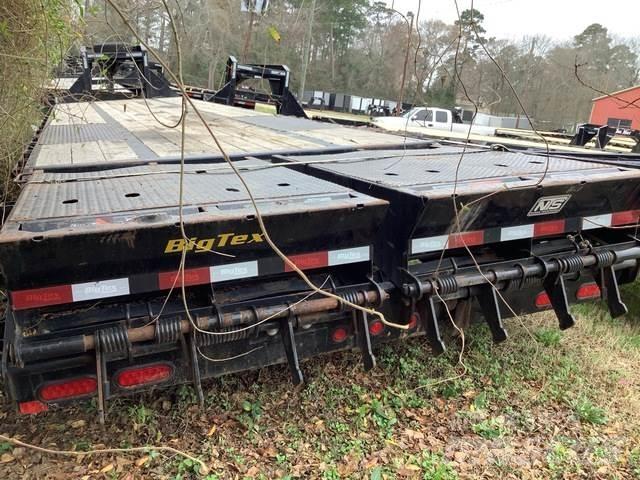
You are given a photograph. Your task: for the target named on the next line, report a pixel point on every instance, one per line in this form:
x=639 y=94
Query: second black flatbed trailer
x=91 y=252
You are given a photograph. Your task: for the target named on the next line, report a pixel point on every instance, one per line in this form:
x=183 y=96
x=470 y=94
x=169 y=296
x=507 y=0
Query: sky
x=558 y=19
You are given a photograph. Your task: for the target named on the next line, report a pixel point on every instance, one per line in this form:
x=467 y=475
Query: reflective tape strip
x=143 y=283
x=233 y=271
x=597 y=221
x=429 y=244
x=308 y=261
x=551 y=227
x=191 y=276
x=628 y=217
x=349 y=255
x=466 y=239
x=516 y=233
x=40 y=297
x=102 y=289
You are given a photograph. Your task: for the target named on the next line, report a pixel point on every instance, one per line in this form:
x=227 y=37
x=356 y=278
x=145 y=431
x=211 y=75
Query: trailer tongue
x=91 y=252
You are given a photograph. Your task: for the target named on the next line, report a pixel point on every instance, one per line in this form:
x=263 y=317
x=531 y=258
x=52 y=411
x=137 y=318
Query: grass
x=545 y=404
x=490 y=428
x=589 y=413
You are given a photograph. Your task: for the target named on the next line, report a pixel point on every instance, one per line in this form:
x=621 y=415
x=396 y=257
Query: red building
x=618 y=109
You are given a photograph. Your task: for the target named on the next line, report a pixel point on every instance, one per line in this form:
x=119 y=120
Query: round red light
x=339 y=335
x=376 y=328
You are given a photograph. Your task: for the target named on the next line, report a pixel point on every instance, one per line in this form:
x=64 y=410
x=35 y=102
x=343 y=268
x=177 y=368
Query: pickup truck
x=430 y=118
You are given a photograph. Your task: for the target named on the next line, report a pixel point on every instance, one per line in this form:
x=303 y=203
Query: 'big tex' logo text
x=207 y=244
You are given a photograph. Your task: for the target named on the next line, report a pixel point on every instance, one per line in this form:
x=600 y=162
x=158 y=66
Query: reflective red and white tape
x=532 y=230
x=115 y=287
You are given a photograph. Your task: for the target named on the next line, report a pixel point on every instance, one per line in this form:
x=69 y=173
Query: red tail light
x=339 y=335
x=148 y=374
x=543 y=300
x=414 y=320
x=376 y=328
x=67 y=389
x=587 y=291
x=32 y=407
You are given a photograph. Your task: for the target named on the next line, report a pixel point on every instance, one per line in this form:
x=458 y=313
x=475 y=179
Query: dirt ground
x=545 y=404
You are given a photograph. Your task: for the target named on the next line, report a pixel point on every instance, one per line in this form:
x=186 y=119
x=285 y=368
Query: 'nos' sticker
x=548 y=205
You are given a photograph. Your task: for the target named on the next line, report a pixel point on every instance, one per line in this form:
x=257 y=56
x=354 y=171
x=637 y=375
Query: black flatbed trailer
x=90 y=253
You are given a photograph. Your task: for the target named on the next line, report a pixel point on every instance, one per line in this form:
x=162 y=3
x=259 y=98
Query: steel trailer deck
x=91 y=251
x=130 y=132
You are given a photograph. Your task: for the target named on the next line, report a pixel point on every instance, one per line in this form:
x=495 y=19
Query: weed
x=331 y=474
x=251 y=413
x=452 y=389
x=549 y=337
x=339 y=427
x=491 y=428
x=599 y=452
x=634 y=462
x=82 y=445
x=434 y=467
x=503 y=467
x=383 y=417
x=187 y=394
x=481 y=402
x=5 y=447
x=588 y=412
x=187 y=466
x=141 y=414
x=560 y=459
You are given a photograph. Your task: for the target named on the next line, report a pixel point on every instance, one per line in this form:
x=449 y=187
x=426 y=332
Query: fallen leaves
x=78 y=424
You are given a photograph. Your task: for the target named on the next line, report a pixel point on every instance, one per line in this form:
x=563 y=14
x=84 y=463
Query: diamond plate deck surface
x=413 y=169
x=56 y=195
